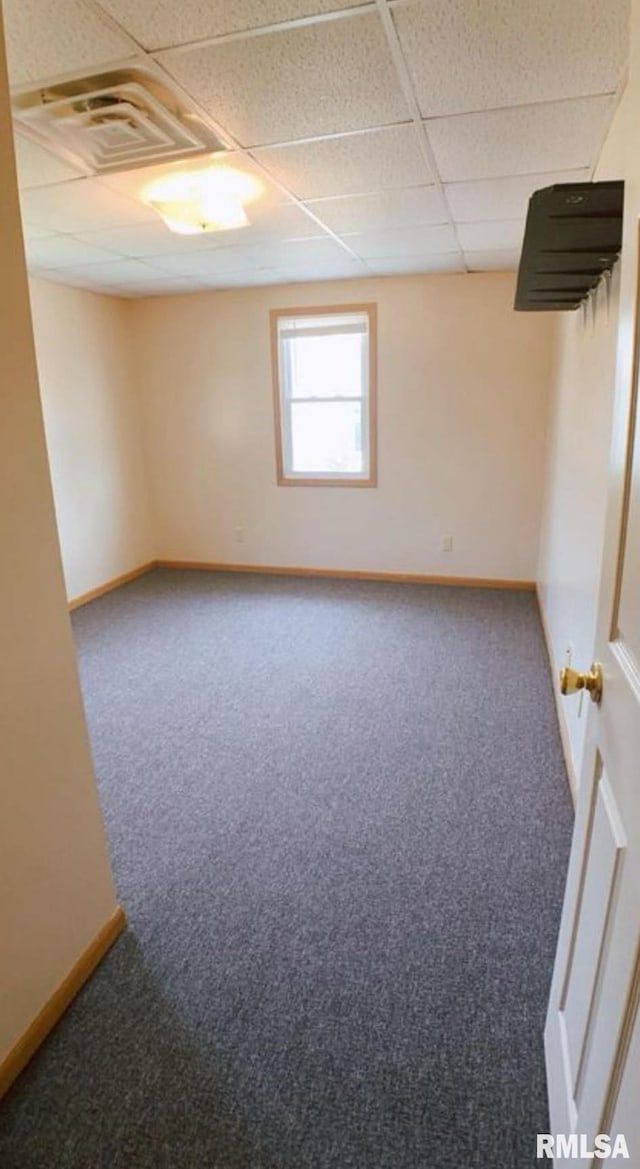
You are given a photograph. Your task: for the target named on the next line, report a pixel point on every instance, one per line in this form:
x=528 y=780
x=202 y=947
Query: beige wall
x=573 y=534
x=56 y=888
x=463 y=386
x=93 y=428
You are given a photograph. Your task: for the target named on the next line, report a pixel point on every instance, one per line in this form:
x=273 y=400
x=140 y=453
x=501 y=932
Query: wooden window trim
x=370 y=309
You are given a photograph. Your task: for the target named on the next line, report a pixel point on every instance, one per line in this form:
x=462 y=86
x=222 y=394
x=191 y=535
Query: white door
x=592 y=1036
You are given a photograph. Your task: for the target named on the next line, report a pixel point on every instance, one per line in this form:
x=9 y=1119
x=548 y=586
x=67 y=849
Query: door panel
x=624 y=1109
x=602 y=862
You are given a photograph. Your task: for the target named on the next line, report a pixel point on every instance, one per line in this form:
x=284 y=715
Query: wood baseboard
x=56 y=1005
x=572 y=778
x=109 y=585
x=350 y=574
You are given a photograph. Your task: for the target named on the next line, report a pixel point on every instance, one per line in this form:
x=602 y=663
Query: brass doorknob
x=571 y=681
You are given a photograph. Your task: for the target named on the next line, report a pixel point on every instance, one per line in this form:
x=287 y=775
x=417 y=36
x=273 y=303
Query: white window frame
x=282 y=401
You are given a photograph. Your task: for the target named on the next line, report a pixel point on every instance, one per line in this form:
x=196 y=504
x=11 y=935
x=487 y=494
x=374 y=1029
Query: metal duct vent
x=114 y=121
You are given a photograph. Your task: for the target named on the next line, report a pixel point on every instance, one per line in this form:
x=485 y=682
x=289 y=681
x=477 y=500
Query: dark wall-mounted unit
x=573 y=236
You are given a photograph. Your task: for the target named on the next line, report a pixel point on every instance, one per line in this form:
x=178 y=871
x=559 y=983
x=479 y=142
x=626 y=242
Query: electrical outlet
x=446 y=544
x=239 y=534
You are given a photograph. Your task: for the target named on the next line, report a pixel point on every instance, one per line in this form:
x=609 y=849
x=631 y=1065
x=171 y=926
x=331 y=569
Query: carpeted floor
x=339 y=825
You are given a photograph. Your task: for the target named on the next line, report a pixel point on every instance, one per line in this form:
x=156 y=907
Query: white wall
x=463 y=384
x=587 y=364
x=574 y=516
x=55 y=885
x=94 y=437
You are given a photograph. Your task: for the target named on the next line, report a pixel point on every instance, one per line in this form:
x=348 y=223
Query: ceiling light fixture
x=212 y=198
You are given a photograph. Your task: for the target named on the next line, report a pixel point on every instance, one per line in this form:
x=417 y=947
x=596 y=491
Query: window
x=324 y=390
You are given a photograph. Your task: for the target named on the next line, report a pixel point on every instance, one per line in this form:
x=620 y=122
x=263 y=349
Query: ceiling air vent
x=114 y=121
x=572 y=238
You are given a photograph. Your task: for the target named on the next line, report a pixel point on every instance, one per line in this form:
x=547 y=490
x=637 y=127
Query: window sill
x=322 y=481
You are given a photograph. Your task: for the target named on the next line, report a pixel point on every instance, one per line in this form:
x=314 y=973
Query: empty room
x=320 y=584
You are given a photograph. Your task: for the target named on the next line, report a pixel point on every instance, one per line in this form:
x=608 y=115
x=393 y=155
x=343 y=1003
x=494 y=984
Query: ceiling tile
x=68 y=276
x=210 y=262
x=504 y=235
x=165 y=286
x=308 y=81
x=384 y=209
x=116 y=272
x=319 y=259
x=37 y=167
x=147 y=239
x=109 y=277
x=271 y=225
x=402 y=241
x=64 y=251
x=349 y=165
x=506 y=198
x=154 y=239
x=30 y=232
x=242 y=279
x=50 y=37
x=476 y=56
x=557 y=136
x=339 y=270
x=160 y=23
x=492 y=261
x=84 y=205
x=291 y=253
x=407 y=265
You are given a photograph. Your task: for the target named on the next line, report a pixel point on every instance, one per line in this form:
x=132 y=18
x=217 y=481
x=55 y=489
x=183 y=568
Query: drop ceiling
x=390 y=136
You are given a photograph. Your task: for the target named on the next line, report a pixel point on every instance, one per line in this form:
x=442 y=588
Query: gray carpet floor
x=339 y=824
